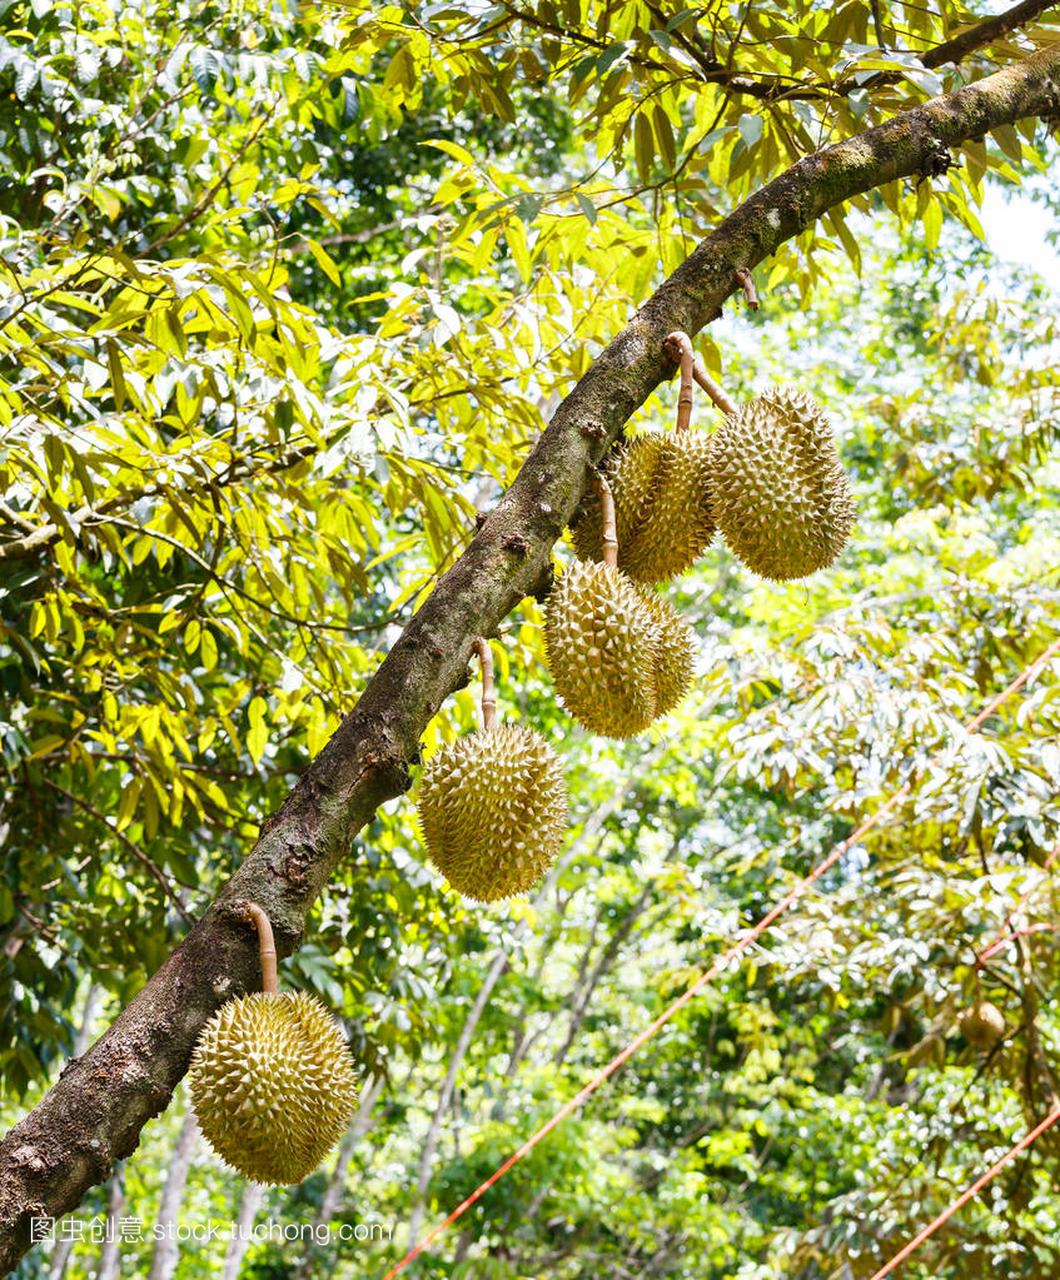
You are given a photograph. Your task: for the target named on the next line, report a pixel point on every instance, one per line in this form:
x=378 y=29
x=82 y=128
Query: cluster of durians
x=769 y=479
x=492 y=805
x=272 y=1079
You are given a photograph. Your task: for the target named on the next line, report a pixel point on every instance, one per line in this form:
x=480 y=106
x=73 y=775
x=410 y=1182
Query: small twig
x=747 y=284
x=608 y=531
x=877 y=22
x=679 y=347
x=252 y=913
x=489 y=696
x=717 y=395
x=133 y=848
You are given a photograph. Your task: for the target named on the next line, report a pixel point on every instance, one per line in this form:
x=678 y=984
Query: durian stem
x=717 y=395
x=679 y=347
x=608 y=527
x=747 y=283
x=489 y=696
x=266 y=947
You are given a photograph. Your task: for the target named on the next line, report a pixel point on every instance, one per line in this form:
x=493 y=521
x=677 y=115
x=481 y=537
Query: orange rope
x=1003 y=934
x=973 y=1190
x=719 y=964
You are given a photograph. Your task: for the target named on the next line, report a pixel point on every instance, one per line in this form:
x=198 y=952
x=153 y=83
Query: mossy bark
x=94 y=1114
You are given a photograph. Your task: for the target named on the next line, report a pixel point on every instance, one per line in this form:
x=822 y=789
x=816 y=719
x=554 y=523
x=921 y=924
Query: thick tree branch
x=93 y=1115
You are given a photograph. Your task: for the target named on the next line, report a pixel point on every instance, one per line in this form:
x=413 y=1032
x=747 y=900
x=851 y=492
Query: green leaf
x=665 y=135
x=643 y=146
x=325 y=261
x=117 y=376
x=452 y=149
x=751 y=127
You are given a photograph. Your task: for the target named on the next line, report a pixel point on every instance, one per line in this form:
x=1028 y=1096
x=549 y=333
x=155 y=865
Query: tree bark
x=167 y=1250
x=94 y=1113
x=583 y=991
x=60 y=1258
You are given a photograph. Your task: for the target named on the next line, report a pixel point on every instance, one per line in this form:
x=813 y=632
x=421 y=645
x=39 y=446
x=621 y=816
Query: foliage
x=286 y=297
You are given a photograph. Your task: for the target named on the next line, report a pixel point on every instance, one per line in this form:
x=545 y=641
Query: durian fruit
x=778 y=492
x=272 y=1081
x=982 y=1025
x=272 y=1084
x=675 y=664
x=493 y=805
x=661 y=489
x=619 y=655
x=661 y=484
x=493 y=810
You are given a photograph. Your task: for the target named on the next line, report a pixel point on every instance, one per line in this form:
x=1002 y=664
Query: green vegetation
x=287 y=297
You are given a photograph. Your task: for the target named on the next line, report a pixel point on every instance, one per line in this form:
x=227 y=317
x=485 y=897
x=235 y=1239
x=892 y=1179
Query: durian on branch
x=492 y=805
x=94 y=1113
x=272 y=1081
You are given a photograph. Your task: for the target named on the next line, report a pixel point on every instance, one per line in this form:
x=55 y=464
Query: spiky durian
x=982 y=1025
x=272 y=1084
x=619 y=655
x=661 y=486
x=676 y=661
x=778 y=492
x=493 y=810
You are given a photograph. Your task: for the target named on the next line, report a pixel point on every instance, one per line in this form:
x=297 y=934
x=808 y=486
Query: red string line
x=720 y=962
x=965 y=1196
x=1003 y=935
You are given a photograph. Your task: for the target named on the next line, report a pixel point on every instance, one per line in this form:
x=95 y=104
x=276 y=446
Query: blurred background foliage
x=286 y=295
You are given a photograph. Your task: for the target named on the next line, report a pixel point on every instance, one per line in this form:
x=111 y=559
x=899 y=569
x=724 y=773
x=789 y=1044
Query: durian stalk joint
x=746 y=281
x=252 y=913
x=679 y=347
x=717 y=395
x=489 y=696
x=608 y=528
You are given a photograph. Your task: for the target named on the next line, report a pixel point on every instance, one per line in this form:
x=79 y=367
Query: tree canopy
x=314 y=322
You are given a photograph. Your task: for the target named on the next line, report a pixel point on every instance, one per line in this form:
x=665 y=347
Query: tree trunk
x=604 y=962
x=249 y=1204
x=60 y=1258
x=94 y=1113
x=167 y=1250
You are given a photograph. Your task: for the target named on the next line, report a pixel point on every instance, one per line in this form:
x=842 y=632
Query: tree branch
x=46 y=535
x=94 y=1113
x=985 y=32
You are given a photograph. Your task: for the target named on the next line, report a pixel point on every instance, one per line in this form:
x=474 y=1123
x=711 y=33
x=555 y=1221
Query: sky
x=1015 y=229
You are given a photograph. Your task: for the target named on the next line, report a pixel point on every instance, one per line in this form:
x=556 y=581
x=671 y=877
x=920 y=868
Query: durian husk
x=675 y=664
x=273 y=1085
x=493 y=811
x=778 y=492
x=982 y=1025
x=619 y=655
x=661 y=486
